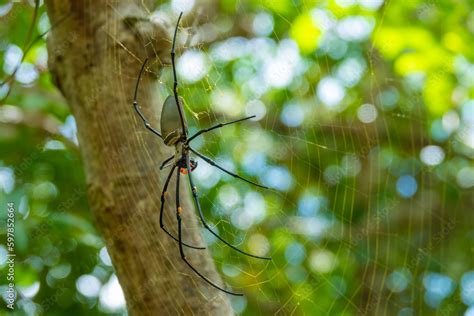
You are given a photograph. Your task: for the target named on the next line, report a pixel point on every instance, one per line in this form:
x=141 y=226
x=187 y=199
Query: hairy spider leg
x=175 y=83
x=212 y=163
x=205 y=130
x=181 y=251
x=135 y=104
x=163 y=193
x=203 y=220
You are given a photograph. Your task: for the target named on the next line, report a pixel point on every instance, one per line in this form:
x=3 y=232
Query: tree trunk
x=94 y=56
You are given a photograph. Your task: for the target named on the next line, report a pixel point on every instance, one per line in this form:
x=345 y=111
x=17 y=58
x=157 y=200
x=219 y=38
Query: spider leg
x=212 y=163
x=175 y=80
x=163 y=193
x=205 y=130
x=137 y=109
x=181 y=251
x=165 y=162
x=203 y=220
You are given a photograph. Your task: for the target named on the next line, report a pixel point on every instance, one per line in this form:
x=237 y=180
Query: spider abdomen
x=171 y=129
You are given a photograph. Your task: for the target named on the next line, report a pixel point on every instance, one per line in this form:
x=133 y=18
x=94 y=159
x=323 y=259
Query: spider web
x=350 y=254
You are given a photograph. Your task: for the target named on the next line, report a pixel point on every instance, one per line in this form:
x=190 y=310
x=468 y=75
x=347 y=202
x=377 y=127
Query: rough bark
x=94 y=56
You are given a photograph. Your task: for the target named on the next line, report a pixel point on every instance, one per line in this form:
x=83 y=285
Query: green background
x=365 y=132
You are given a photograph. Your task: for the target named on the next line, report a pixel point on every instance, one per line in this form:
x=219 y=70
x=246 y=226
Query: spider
x=174 y=132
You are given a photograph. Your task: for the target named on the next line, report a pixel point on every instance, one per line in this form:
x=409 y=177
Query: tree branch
x=97 y=77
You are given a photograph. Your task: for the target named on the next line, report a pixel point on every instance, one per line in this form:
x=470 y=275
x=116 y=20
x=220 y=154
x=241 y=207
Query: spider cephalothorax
x=174 y=132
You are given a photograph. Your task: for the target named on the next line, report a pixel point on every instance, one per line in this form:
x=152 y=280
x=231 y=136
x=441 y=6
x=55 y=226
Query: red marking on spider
x=193 y=166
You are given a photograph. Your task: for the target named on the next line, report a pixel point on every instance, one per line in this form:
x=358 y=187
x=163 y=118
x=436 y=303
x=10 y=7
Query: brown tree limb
x=97 y=76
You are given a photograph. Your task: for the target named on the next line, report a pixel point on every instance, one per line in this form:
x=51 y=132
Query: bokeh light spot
x=367 y=113
x=111 y=297
x=467 y=288
x=406 y=186
x=7 y=179
x=257 y=108
x=465 y=177
x=432 y=155
x=192 y=66
x=295 y=253
x=323 y=261
x=88 y=285
x=398 y=280
x=278 y=178
x=438 y=287
x=262 y=24
x=330 y=91
x=184 y=6
x=292 y=115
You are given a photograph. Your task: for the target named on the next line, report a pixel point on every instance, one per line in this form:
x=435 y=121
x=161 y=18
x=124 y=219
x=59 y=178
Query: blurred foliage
x=365 y=133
